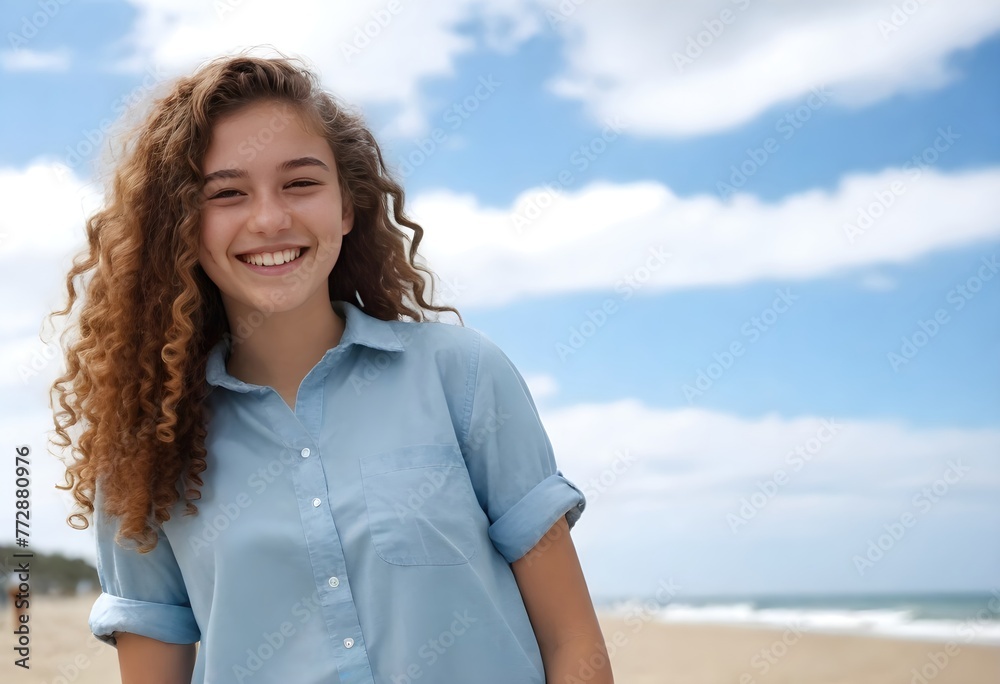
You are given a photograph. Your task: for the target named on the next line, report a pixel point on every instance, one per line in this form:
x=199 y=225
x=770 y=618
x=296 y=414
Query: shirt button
x=305 y=452
x=334 y=582
x=348 y=642
x=316 y=502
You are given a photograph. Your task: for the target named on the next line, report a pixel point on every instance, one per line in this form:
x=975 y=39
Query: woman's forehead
x=269 y=131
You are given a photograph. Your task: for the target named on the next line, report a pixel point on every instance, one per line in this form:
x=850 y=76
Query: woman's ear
x=347 y=216
x=346 y=210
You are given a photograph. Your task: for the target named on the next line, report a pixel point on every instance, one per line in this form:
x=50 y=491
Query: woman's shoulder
x=457 y=351
x=438 y=337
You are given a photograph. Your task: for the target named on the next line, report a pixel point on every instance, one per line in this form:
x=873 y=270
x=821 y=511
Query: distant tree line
x=50 y=573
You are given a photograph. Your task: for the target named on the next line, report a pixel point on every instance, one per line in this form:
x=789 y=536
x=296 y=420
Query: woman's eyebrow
x=229 y=174
x=301 y=161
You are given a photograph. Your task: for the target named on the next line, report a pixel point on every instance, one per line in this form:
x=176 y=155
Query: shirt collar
x=359 y=328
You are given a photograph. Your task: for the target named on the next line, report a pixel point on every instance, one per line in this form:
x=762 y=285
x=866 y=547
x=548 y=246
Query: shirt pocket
x=422 y=509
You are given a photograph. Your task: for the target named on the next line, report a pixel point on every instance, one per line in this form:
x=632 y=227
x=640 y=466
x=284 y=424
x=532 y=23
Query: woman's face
x=273 y=219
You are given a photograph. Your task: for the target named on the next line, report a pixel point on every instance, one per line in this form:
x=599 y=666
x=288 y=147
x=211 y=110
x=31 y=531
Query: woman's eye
x=224 y=194
x=230 y=193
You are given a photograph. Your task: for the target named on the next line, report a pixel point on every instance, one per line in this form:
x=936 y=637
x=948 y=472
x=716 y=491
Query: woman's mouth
x=272 y=258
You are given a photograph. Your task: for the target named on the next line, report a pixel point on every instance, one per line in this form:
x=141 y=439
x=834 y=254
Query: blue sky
x=653 y=184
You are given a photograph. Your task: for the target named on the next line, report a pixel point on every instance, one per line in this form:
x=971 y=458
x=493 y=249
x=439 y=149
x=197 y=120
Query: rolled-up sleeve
x=510 y=458
x=141 y=593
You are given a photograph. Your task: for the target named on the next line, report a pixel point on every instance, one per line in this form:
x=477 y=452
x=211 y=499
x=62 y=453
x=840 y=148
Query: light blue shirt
x=365 y=537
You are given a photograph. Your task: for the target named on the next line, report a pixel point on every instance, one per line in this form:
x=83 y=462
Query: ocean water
x=969 y=618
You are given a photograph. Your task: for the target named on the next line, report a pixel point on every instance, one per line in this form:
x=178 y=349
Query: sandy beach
x=63 y=652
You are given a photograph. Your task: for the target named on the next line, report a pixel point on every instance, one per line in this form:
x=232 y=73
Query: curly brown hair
x=135 y=378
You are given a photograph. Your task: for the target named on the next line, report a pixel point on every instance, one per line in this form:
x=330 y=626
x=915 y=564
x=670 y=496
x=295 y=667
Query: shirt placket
x=302 y=431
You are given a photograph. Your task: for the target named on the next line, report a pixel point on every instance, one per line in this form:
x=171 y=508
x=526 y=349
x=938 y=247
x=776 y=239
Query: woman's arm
x=561 y=611
x=147 y=661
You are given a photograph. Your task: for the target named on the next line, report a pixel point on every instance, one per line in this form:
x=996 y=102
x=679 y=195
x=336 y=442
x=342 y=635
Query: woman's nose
x=269 y=214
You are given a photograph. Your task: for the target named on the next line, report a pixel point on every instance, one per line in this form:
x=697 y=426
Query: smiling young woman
x=278 y=211
x=378 y=500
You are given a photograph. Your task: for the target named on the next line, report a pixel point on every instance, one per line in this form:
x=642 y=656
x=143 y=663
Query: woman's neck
x=281 y=350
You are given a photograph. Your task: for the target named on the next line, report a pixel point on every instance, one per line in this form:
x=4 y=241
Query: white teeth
x=272 y=258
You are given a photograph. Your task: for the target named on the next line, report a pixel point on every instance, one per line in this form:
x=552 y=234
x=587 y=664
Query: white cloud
x=371 y=52
x=619 y=57
x=45 y=206
x=716 y=458
x=623 y=57
x=626 y=239
x=41 y=230
x=34 y=60
x=642 y=237
x=726 y=504
x=541 y=385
